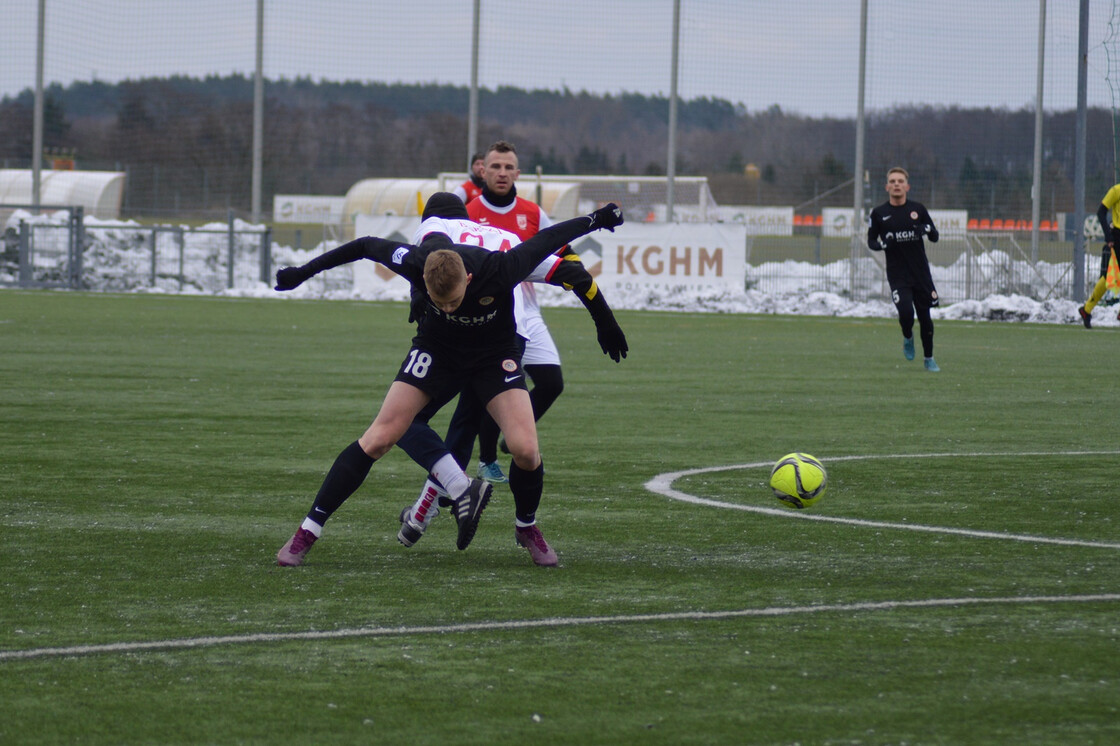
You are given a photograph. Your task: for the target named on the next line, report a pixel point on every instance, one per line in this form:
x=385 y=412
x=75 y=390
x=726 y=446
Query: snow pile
x=119 y=258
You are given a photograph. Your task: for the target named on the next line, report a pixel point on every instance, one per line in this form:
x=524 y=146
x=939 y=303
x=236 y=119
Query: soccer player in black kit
x=466 y=339
x=896 y=228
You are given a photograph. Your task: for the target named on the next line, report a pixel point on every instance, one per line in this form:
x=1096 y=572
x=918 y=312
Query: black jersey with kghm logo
x=484 y=321
x=897 y=231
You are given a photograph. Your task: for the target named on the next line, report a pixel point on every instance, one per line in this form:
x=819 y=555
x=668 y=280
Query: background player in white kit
x=567 y=272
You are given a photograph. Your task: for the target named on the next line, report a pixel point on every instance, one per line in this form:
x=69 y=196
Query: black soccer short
x=903 y=295
x=442 y=374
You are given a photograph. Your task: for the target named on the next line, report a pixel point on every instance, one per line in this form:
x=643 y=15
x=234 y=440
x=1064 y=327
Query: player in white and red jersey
x=540 y=361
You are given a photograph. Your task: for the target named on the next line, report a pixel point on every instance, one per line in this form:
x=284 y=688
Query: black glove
x=606 y=217
x=288 y=278
x=612 y=340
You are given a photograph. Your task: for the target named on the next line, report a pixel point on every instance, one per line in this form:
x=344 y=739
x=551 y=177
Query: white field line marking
x=662 y=485
x=773 y=611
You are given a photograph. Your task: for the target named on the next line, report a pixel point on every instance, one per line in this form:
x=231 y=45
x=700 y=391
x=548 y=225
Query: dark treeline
x=186 y=143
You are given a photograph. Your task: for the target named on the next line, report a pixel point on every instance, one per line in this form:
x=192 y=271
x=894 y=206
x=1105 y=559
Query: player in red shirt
x=469 y=190
x=500 y=206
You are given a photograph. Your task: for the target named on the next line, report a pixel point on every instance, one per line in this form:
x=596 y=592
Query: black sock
x=344 y=478
x=527 y=487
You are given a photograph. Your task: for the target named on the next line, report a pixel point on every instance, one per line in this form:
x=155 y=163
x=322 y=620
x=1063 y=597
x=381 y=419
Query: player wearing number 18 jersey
x=466 y=339
x=568 y=273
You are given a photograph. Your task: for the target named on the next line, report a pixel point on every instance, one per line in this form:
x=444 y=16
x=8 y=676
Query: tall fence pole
x=258 y=117
x=472 y=105
x=1036 y=188
x=857 y=186
x=671 y=169
x=37 y=120
x=1078 y=288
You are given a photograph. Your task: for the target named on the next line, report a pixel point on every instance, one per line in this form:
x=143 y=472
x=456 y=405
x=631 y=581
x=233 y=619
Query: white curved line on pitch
x=662 y=485
x=517 y=624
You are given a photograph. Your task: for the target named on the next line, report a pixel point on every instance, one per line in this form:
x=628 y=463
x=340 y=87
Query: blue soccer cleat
x=908 y=347
x=491 y=472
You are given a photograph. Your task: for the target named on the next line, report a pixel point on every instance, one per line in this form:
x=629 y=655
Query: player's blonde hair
x=898 y=170
x=444 y=272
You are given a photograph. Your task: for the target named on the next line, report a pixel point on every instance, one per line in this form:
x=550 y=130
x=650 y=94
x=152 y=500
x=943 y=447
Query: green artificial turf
x=956 y=585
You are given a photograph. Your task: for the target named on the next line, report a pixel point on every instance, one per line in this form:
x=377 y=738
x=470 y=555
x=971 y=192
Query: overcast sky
x=800 y=56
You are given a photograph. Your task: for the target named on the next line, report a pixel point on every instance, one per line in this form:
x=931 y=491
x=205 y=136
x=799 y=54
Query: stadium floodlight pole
x=472 y=113
x=258 y=116
x=857 y=188
x=1078 y=289
x=37 y=122
x=1036 y=187
x=671 y=171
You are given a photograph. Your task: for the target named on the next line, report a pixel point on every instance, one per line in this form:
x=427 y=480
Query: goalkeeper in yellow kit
x=1109 y=215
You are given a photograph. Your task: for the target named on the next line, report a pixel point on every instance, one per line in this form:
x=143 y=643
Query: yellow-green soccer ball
x=798 y=480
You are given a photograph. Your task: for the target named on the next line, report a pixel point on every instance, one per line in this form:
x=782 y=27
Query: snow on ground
x=118 y=258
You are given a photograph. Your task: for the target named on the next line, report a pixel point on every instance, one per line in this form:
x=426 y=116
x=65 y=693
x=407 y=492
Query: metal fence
x=58 y=252
x=68 y=251
x=54 y=253
x=965 y=266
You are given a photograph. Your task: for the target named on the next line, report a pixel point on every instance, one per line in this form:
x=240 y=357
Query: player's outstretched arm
x=524 y=257
x=570 y=274
x=369 y=247
x=611 y=339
